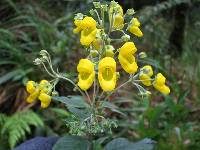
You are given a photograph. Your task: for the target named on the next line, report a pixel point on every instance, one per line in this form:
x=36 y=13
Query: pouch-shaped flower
x=159 y=84
x=86 y=74
x=88 y=36
x=145 y=75
x=45 y=100
x=116 y=15
x=134 y=27
x=127 y=59
x=107 y=74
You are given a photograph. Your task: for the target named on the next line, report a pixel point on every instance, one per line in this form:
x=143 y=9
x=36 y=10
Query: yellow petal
x=145 y=79
x=86 y=75
x=45 y=98
x=128 y=63
x=135 y=22
x=135 y=30
x=78 y=27
x=118 y=22
x=30 y=86
x=44 y=105
x=147 y=70
x=159 y=80
x=128 y=49
x=163 y=89
x=88 y=36
x=107 y=75
x=44 y=86
x=32 y=97
x=88 y=23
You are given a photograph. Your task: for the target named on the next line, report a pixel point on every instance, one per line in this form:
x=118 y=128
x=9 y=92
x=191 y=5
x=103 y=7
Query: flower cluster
x=108 y=44
x=103 y=57
x=102 y=54
x=39 y=91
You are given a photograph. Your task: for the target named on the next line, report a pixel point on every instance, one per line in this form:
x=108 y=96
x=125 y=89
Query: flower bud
x=78 y=16
x=142 y=55
x=92 y=12
x=37 y=61
x=130 y=12
x=97 y=4
x=94 y=53
x=55 y=93
x=104 y=7
x=43 y=52
x=125 y=37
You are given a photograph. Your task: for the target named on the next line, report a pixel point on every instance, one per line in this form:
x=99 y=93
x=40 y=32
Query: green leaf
x=72 y=101
x=182 y=96
x=8 y=76
x=72 y=143
x=112 y=107
x=122 y=143
x=81 y=113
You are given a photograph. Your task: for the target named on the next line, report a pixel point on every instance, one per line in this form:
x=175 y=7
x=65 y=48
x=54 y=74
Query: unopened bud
x=55 y=93
x=104 y=7
x=130 y=12
x=97 y=4
x=37 y=61
x=125 y=37
x=94 y=53
x=78 y=16
x=92 y=12
x=43 y=52
x=142 y=55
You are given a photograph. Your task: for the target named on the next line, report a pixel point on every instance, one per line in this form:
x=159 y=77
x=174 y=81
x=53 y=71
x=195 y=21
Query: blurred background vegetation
x=171 y=40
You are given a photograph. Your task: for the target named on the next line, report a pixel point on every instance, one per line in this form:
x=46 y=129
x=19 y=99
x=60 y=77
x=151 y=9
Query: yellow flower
x=30 y=86
x=86 y=74
x=78 y=26
x=145 y=79
x=147 y=70
x=44 y=86
x=39 y=91
x=107 y=74
x=45 y=100
x=33 y=96
x=145 y=75
x=159 y=84
x=88 y=23
x=88 y=30
x=116 y=13
x=126 y=57
x=134 y=27
x=118 y=22
x=88 y=36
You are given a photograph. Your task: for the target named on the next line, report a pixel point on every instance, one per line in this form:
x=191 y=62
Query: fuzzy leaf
x=122 y=143
x=72 y=101
x=72 y=143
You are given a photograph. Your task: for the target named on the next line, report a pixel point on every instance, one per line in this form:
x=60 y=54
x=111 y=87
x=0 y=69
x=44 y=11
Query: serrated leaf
x=72 y=143
x=122 y=143
x=72 y=101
